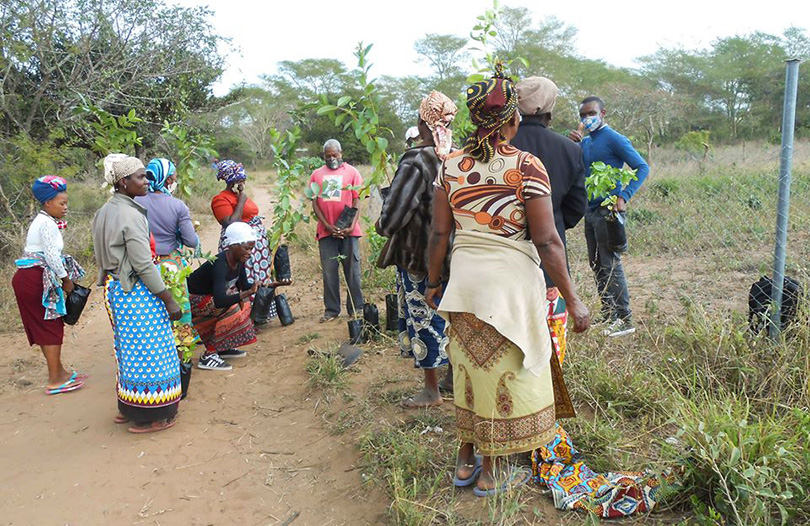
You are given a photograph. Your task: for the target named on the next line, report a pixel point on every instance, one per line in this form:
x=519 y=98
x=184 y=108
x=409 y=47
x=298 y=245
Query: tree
x=444 y=53
x=120 y=55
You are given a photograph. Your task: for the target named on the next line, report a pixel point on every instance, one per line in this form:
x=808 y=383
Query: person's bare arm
x=437 y=243
x=316 y=208
x=540 y=217
x=239 y=190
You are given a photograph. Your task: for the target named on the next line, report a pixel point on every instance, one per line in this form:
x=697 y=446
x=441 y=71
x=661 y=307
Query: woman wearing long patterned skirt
x=405 y=218
x=140 y=308
x=171 y=226
x=508 y=392
x=233 y=204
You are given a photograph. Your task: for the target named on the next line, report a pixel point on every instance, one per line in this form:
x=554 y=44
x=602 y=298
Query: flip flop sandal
x=120 y=419
x=515 y=477
x=70 y=385
x=79 y=376
x=154 y=427
x=463 y=483
x=408 y=403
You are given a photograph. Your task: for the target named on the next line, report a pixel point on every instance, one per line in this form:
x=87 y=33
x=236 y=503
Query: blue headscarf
x=230 y=171
x=157 y=171
x=47 y=187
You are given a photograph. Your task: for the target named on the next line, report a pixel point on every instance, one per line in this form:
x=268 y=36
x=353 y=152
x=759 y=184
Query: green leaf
x=326 y=109
x=342 y=101
x=382 y=143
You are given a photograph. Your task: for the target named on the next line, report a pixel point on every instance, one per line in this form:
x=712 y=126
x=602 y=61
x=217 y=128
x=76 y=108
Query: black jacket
x=562 y=158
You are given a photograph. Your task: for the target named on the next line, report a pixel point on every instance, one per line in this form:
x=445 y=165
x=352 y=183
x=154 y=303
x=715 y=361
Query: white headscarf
x=238 y=233
x=119 y=165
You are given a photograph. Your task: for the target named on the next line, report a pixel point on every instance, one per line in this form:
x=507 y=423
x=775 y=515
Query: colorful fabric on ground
x=558 y=467
x=47 y=187
x=221 y=330
x=183 y=329
x=259 y=266
x=501 y=407
x=557 y=321
x=157 y=171
x=230 y=171
x=53 y=297
x=148 y=366
x=421 y=330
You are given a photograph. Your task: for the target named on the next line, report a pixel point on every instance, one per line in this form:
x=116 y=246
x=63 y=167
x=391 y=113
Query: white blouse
x=45 y=238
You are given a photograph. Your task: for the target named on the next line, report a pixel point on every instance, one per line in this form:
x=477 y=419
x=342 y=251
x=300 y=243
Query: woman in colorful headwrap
x=508 y=383
x=406 y=219
x=219 y=293
x=171 y=226
x=233 y=204
x=43 y=280
x=505 y=380
x=140 y=307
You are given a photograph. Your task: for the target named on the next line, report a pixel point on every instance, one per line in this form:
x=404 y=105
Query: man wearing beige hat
x=562 y=158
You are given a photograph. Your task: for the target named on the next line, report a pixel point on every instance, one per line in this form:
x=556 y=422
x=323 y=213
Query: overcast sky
x=266 y=32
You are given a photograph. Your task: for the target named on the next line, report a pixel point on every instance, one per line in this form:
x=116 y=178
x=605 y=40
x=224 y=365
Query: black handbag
x=262 y=301
x=75 y=303
x=283 y=310
x=281 y=263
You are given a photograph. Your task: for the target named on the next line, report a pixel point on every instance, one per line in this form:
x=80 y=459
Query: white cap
x=239 y=232
x=412 y=133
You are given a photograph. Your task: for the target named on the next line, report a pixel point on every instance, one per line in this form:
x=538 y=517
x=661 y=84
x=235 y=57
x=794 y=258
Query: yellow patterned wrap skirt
x=500 y=406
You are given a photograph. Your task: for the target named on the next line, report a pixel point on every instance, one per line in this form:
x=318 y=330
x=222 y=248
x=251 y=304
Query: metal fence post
x=783 y=206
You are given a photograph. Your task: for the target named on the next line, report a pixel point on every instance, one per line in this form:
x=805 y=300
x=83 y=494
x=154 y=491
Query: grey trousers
x=607 y=268
x=334 y=253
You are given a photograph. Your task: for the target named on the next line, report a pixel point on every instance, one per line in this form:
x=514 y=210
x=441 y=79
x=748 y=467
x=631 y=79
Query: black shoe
x=232 y=353
x=214 y=363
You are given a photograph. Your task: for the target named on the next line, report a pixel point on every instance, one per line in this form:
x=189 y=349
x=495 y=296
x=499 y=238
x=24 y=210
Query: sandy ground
x=249 y=447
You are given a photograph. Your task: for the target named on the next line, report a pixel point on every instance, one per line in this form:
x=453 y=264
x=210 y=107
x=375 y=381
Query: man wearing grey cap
x=562 y=158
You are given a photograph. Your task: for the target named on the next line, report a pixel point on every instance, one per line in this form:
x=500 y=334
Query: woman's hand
x=254 y=288
x=579 y=312
x=175 y=312
x=67 y=285
x=430 y=294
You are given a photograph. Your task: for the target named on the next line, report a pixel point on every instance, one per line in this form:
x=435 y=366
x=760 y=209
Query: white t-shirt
x=45 y=238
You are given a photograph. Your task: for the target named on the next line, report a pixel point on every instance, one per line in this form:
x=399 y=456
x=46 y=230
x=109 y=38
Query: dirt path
x=249 y=448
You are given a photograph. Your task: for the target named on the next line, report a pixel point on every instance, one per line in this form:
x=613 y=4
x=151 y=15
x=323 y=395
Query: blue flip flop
x=463 y=483
x=71 y=385
x=516 y=476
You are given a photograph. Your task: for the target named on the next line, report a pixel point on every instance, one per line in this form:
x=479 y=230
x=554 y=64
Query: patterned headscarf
x=119 y=165
x=491 y=103
x=157 y=171
x=438 y=111
x=47 y=187
x=230 y=171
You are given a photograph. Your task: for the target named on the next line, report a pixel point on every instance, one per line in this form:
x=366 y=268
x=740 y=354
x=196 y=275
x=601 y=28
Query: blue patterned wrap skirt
x=421 y=330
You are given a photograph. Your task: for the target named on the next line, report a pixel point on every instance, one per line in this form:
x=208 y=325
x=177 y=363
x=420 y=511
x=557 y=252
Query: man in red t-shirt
x=338 y=182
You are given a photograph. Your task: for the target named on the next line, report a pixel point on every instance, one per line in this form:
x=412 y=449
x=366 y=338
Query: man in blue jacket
x=612 y=148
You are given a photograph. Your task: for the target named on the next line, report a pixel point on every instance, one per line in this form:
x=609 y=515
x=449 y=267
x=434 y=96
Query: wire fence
x=703 y=229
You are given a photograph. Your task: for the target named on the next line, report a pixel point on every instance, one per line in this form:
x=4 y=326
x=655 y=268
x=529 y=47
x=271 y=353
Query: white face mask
x=172 y=187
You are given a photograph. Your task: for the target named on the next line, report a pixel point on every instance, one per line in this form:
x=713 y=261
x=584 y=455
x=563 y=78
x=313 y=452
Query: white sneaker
x=214 y=363
x=619 y=328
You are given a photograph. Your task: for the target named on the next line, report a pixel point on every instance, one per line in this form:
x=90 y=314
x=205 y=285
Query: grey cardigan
x=121 y=244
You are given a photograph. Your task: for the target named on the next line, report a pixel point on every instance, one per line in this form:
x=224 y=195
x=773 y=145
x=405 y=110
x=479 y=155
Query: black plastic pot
x=616 y=233
x=262 y=301
x=391 y=312
x=372 y=318
x=357 y=331
x=281 y=262
x=285 y=315
x=185 y=378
